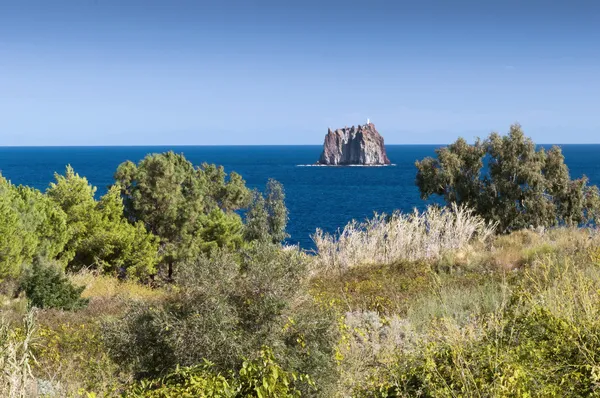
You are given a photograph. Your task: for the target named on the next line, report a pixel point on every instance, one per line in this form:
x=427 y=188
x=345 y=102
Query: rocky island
x=361 y=145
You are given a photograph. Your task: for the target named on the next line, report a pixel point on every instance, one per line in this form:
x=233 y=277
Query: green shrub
x=261 y=377
x=46 y=286
x=543 y=340
x=307 y=345
x=188 y=382
x=535 y=355
x=72 y=357
x=225 y=308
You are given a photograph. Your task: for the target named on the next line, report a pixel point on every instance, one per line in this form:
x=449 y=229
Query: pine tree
x=177 y=202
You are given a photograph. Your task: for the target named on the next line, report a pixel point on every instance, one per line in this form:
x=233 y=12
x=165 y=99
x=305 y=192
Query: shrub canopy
x=46 y=286
x=227 y=306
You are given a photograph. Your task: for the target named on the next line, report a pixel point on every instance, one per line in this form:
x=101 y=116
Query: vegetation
x=386 y=239
x=31 y=225
x=191 y=209
x=261 y=377
x=45 y=286
x=99 y=235
x=267 y=217
x=16 y=358
x=176 y=282
x=507 y=180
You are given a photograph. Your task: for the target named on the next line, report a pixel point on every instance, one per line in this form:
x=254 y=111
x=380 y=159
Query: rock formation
x=362 y=145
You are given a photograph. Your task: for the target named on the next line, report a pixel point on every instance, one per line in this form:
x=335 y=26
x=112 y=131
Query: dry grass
x=104 y=287
x=405 y=282
x=71 y=353
x=400 y=237
x=521 y=248
x=16 y=358
x=568 y=286
x=463 y=296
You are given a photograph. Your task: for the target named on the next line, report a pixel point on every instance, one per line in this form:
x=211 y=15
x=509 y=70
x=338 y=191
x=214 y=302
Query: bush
x=542 y=339
x=71 y=357
x=307 y=345
x=261 y=377
x=225 y=308
x=46 y=286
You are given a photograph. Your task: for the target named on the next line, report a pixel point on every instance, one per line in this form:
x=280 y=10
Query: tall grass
x=385 y=239
x=16 y=379
x=104 y=287
x=537 y=334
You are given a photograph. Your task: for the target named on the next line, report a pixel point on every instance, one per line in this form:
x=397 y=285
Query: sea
x=316 y=197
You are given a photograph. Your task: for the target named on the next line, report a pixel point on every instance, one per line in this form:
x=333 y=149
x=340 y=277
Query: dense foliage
x=100 y=236
x=68 y=225
x=191 y=209
x=31 y=225
x=508 y=180
x=176 y=283
x=267 y=216
x=46 y=286
x=260 y=377
x=227 y=307
x=160 y=213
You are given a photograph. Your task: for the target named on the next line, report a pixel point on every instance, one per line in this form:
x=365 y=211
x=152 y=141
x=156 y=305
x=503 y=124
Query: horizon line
x=239 y=145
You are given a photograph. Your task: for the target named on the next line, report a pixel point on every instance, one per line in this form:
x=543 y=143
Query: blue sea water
x=317 y=197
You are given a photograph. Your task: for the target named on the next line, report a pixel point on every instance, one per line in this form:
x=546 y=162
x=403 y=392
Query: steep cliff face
x=361 y=145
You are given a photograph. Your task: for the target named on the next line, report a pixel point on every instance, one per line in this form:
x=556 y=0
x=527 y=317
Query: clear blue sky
x=124 y=72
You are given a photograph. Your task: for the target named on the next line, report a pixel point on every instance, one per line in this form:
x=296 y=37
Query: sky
x=223 y=72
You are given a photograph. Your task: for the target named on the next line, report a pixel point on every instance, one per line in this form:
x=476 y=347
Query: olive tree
x=509 y=180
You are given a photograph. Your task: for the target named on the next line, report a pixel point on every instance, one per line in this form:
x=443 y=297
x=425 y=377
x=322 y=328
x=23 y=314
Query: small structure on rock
x=362 y=145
